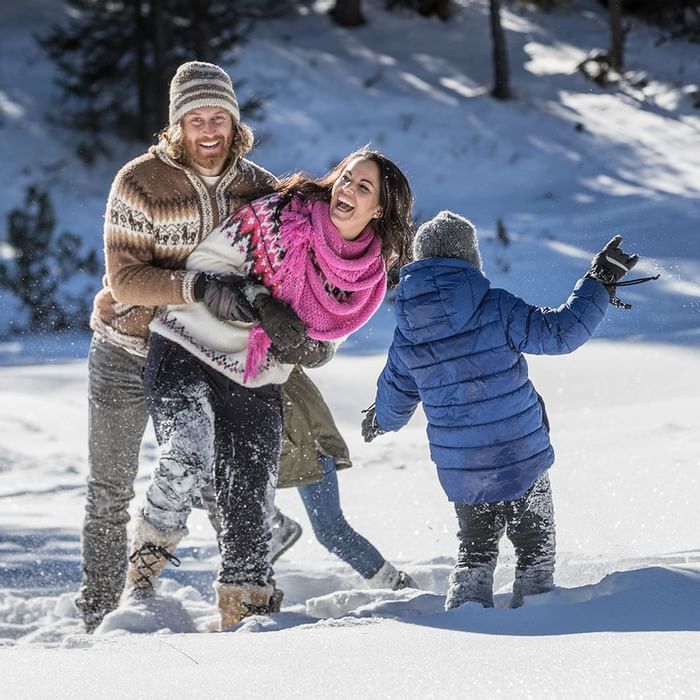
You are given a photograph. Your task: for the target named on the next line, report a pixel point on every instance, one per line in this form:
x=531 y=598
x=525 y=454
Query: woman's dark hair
x=394 y=226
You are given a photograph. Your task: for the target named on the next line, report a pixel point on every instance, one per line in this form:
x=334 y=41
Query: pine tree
x=42 y=264
x=115 y=59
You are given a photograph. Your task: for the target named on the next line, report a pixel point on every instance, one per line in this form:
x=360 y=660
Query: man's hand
x=370 y=427
x=225 y=296
x=280 y=322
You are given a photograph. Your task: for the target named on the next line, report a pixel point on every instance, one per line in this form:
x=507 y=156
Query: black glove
x=612 y=263
x=224 y=295
x=280 y=322
x=370 y=427
x=312 y=353
x=610 y=266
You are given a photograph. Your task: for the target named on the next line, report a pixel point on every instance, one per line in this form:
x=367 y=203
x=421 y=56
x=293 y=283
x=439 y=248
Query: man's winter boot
x=390 y=577
x=150 y=552
x=530 y=582
x=470 y=585
x=94 y=604
x=285 y=532
x=238 y=601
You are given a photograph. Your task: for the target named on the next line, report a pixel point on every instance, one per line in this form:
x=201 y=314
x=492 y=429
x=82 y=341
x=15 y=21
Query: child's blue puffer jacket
x=458 y=348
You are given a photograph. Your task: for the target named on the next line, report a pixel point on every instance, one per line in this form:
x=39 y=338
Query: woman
x=317 y=248
x=312 y=451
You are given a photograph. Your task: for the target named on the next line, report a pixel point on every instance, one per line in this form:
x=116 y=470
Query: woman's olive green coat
x=309 y=428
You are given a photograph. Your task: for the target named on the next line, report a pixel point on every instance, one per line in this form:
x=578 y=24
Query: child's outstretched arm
x=540 y=330
x=545 y=331
x=397 y=394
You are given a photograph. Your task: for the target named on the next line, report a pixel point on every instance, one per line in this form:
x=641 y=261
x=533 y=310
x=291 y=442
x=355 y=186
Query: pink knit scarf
x=332 y=284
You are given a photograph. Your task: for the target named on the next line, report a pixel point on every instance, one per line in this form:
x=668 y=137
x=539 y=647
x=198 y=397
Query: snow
x=624 y=620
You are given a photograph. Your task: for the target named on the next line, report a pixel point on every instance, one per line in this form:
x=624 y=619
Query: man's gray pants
x=117 y=420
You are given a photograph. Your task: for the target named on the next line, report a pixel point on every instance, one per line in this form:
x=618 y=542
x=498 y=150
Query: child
x=458 y=348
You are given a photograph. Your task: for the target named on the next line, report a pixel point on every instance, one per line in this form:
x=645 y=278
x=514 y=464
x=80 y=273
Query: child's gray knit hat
x=197 y=84
x=447 y=235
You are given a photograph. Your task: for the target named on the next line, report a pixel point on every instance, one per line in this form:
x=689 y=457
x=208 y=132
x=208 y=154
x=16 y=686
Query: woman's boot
x=390 y=577
x=150 y=552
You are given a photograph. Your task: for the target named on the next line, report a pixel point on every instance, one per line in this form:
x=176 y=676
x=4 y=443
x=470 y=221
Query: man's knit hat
x=197 y=84
x=447 y=235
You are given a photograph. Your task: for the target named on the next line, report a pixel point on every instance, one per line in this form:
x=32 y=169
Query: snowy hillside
x=564 y=166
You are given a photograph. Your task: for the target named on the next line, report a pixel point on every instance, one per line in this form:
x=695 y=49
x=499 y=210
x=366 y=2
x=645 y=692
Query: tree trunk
x=160 y=81
x=201 y=27
x=617 y=35
x=501 y=83
x=348 y=13
x=142 y=79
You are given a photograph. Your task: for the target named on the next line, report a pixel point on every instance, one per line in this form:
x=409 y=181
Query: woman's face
x=355 y=198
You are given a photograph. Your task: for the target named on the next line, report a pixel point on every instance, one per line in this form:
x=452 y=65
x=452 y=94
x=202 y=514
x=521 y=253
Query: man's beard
x=215 y=161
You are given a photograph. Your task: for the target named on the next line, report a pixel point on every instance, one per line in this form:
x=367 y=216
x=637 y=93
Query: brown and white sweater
x=157 y=213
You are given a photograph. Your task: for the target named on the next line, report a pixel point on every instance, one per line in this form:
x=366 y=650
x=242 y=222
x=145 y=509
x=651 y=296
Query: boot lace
x=146 y=559
x=253 y=609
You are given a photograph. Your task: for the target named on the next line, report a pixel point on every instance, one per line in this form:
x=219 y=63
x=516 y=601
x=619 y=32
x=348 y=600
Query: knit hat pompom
x=447 y=235
x=197 y=84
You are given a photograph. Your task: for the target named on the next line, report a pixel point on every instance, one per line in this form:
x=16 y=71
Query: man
x=161 y=205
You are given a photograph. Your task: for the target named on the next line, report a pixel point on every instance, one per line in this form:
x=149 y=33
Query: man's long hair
x=172 y=139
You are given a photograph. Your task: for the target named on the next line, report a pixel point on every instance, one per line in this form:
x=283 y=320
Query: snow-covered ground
x=624 y=620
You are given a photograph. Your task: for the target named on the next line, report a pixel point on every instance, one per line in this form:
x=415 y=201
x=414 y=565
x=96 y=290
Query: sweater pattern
x=157 y=212
x=232 y=365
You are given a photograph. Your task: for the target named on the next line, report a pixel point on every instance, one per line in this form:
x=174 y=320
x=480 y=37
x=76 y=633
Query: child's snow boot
x=530 y=582
x=276 y=600
x=238 y=601
x=470 y=585
x=390 y=577
x=151 y=551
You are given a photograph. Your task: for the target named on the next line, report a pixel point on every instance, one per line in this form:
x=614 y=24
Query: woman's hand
x=280 y=322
